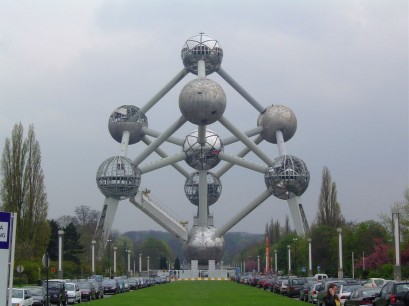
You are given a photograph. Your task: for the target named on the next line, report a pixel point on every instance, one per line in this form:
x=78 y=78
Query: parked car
x=38 y=294
x=345 y=290
x=111 y=286
x=322 y=289
x=312 y=293
x=121 y=284
x=362 y=296
x=99 y=289
x=375 y=282
x=295 y=285
x=73 y=293
x=56 y=291
x=392 y=293
x=305 y=288
x=284 y=287
x=21 y=297
x=133 y=283
x=88 y=291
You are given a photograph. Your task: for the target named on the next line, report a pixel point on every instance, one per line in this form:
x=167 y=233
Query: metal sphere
x=117 y=177
x=214 y=188
x=202 y=101
x=288 y=177
x=277 y=117
x=202 y=156
x=203 y=245
x=127 y=118
x=202 y=47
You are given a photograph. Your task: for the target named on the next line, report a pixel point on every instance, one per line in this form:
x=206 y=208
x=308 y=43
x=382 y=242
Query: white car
x=73 y=293
x=21 y=297
x=375 y=282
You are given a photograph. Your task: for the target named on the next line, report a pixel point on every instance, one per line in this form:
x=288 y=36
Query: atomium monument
x=202 y=102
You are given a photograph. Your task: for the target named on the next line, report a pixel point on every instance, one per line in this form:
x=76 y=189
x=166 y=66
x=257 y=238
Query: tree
x=329 y=210
x=177 y=264
x=23 y=191
x=403 y=208
x=72 y=244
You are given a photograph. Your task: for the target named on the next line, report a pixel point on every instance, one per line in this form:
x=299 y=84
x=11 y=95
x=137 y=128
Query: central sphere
x=202 y=156
x=203 y=245
x=202 y=101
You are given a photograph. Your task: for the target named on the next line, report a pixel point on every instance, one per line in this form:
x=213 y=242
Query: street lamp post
x=275 y=262
x=340 y=268
x=397 y=269
x=60 y=245
x=115 y=248
x=140 y=262
x=109 y=257
x=309 y=257
x=93 y=256
x=258 y=263
x=129 y=263
x=289 y=259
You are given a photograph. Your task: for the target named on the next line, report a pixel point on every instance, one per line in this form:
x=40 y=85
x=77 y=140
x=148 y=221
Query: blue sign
x=4 y=230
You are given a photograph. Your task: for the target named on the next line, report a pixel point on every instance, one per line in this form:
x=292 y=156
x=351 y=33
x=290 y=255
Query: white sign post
x=7 y=243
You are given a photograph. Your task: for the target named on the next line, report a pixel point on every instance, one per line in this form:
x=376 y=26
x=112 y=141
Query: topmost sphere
x=202 y=47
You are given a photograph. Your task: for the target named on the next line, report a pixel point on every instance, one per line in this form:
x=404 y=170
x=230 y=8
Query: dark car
x=110 y=286
x=56 y=292
x=295 y=285
x=392 y=293
x=88 y=291
x=38 y=293
x=362 y=296
x=99 y=289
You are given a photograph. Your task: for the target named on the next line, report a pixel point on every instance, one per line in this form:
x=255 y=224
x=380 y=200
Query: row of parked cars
x=375 y=291
x=66 y=291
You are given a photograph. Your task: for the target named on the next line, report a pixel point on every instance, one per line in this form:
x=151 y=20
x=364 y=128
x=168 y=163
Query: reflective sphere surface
x=214 y=188
x=202 y=101
x=203 y=245
x=127 y=118
x=202 y=156
x=118 y=177
x=277 y=117
x=288 y=177
x=202 y=47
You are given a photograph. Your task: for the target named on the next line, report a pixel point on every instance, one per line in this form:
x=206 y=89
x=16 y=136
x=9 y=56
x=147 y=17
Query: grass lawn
x=198 y=293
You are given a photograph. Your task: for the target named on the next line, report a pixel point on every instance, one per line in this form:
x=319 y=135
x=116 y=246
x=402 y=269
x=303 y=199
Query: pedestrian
x=331 y=298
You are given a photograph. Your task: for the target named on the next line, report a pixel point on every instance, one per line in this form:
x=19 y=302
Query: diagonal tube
x=164 y=91
x=244 y=212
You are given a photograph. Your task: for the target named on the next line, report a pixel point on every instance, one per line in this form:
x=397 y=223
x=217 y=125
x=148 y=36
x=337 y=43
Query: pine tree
x=23 y=191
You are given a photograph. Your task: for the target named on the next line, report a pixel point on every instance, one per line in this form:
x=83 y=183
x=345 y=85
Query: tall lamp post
x=115 y=248
x=109 y=257
x=289 y=259
x=397 y=269
x=140 y=262
x=93 y=256
x=309 y=257
x=258 y=263
x=60 y=271
x=129 y=263
x=340 y=269
x=275 y=262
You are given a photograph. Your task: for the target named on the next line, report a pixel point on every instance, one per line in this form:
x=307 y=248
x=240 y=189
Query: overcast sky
x=341 y=66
